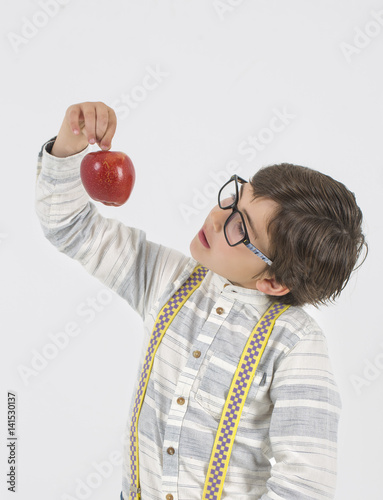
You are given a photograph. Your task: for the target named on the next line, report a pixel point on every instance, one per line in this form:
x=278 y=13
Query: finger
x=106 y=141
x=89 y=113
x=75 y=118
x=102 y=119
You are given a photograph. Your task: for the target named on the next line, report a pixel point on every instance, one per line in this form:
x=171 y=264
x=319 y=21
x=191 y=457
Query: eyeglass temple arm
x=259 y=253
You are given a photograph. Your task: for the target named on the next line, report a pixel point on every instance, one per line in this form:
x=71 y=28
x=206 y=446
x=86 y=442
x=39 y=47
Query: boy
x=291 y=236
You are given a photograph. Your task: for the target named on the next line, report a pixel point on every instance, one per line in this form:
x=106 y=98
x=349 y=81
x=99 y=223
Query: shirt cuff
x=60 y=168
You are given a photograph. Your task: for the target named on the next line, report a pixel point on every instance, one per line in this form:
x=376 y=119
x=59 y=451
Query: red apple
x=108 y=176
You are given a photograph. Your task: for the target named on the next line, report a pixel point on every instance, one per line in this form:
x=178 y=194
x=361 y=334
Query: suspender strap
x=165 y=317
x=235 y=401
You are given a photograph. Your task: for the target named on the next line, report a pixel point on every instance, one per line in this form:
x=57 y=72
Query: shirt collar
x=239 y=293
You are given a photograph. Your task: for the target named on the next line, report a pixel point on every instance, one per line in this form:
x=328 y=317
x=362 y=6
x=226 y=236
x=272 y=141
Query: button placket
x=179 y=405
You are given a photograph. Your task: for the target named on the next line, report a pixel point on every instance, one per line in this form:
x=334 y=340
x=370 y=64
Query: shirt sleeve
x=304 y=424
x=118 y=256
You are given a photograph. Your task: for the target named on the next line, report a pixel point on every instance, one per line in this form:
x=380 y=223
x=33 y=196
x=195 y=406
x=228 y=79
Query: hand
x=85 y=123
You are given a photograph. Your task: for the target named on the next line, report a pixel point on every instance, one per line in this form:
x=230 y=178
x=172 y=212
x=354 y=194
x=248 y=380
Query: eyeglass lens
x=235 y=230
x=228 y=194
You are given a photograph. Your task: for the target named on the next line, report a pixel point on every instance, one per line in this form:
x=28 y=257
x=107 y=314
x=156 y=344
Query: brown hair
x=315 y=234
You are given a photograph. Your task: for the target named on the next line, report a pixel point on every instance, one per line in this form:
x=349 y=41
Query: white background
x=224 y=73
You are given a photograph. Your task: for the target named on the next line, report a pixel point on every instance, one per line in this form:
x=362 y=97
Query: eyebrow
x=247 y=215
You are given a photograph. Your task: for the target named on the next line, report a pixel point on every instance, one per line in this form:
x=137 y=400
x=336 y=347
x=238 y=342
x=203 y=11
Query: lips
x=203 y=240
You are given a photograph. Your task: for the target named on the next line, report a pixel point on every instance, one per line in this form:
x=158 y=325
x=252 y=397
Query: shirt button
x=180 y=401
x=219 y=310
x=197 y=354
x=170 y=451
x=169 y=496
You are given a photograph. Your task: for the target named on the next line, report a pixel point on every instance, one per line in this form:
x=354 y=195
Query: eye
x=240 y=228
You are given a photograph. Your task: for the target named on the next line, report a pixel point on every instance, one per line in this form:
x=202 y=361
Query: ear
x=271 y=287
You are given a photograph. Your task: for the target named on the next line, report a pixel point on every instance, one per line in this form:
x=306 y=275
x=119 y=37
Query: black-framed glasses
x=235 y=228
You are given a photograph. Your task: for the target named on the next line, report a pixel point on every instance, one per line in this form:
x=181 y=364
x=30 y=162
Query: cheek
x=243 y=262
x=231 y=257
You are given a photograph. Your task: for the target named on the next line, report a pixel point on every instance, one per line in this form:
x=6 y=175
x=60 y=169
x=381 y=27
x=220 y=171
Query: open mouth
x=203 y=240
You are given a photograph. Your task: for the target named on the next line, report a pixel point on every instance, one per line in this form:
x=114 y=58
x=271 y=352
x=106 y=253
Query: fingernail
x=91 y=141
x=104 y=146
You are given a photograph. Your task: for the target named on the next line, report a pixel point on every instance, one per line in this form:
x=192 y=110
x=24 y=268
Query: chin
x=195 y=247
x=191 y=248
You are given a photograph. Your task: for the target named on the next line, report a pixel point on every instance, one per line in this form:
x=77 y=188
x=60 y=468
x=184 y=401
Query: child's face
x=238 y=264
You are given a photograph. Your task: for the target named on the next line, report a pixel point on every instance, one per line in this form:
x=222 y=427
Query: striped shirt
x=286 y=442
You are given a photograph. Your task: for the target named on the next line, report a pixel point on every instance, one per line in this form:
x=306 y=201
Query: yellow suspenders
x=235 y=400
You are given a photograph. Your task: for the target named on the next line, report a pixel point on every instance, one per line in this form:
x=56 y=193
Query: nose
x=218 y=218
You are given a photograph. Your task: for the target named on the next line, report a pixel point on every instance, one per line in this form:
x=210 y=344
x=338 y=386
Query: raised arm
x=119 y=256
